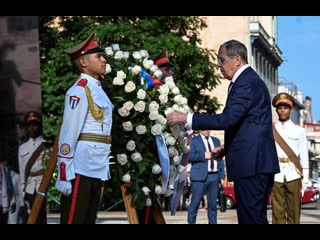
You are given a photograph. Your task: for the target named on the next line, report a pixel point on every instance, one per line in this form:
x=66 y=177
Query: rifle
x=41 y=193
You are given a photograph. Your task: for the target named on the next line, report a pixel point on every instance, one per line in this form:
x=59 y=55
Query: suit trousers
x=198 y=188
x=252 y=195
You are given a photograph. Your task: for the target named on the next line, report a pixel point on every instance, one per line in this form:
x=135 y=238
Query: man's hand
x=64 y=187
x=218 y=152
x=176 y=118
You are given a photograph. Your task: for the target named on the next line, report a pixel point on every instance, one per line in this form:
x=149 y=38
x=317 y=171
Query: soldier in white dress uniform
x=85 y=141
x=286 y=192
x=31 y=167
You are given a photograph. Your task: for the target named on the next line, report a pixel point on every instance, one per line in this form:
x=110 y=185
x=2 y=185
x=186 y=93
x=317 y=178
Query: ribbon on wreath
x=151 y=81
x=164 y=158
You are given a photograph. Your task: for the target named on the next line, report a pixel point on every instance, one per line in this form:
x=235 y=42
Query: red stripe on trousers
x=74 y=199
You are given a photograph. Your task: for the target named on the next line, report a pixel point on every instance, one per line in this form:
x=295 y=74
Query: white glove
x=64 y=187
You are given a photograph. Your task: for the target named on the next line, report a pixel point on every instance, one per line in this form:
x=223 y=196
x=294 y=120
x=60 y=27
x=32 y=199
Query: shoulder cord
x=96 y=114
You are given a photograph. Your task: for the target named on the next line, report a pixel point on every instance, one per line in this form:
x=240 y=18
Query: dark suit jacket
x=199 y=168
x=247 y=120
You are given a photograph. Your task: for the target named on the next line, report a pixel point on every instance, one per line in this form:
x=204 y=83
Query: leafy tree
x=193 y=66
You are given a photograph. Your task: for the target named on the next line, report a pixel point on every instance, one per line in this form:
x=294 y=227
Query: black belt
x=212 y=172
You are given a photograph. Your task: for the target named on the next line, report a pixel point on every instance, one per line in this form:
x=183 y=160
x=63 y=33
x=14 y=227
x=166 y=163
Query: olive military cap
x=283 y=99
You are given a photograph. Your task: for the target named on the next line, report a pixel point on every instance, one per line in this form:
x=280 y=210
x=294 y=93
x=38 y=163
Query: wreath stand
x=132 y=214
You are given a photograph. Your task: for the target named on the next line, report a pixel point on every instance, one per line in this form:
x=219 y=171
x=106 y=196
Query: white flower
x=121 y=74
x=122 y=159
x=108 y=51
x=141 y=94
x=156 y=129
x=156 y=169
x=135 y=70
x=157 y=74
x=128 y=105
x=146 y=190
x=153 y=106
x=176 y=91
x=126 y=178
x=118 y=81
x=172 y=151
x=158 y=189
x=144 y=53
x=136 y=157
x=131 y=145
x=140 y=106
x=136 y=55
x=153 y=115
x=163 y=98
x=170 y=140
x=147 y=63
x=118 y=55
x=161 y=119
x=127 y=126
x=164 y=89
x=123 y=112
x=129 y=87
x=169 y=82
x=141 y=129
x=177 y=159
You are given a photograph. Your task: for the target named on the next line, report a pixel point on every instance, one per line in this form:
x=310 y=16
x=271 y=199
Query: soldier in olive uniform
x=286 y=191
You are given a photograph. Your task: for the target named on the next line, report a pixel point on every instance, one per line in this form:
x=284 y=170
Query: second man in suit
x=205 y=175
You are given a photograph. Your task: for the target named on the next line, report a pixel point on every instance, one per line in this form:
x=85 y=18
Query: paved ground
x=310 y=214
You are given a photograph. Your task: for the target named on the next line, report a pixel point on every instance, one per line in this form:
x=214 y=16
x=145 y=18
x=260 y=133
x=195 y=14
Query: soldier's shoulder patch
x=82 y=82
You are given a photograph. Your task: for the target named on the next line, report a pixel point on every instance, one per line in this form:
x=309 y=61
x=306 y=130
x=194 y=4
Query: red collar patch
x=82 y=82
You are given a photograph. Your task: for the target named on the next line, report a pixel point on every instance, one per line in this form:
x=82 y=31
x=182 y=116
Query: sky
x=299 y=41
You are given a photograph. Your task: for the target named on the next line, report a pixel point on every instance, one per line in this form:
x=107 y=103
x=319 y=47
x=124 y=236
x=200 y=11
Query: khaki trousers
x=286 y=202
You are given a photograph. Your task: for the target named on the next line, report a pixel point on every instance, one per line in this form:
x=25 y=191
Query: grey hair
x=234 y=47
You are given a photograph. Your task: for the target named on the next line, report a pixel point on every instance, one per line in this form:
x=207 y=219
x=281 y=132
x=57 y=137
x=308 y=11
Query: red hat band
x=284 y=100
x=161 y=61
x=89 y=46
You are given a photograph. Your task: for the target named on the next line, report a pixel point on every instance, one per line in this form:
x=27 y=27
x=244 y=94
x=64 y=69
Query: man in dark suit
x=251 y=157
x=205 y=175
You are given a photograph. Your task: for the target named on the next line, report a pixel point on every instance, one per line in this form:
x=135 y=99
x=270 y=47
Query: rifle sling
x=32 y=160
x=286 y=148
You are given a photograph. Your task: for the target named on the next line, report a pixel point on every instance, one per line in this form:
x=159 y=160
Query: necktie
x=210 y=150
x=230 y=86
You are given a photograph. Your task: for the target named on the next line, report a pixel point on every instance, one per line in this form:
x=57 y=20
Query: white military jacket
x=295 y=137
x=87 y=158
x=25 y=151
